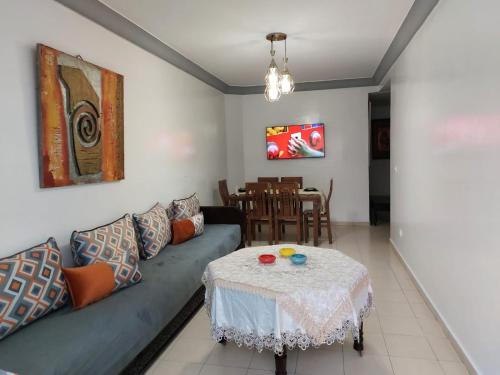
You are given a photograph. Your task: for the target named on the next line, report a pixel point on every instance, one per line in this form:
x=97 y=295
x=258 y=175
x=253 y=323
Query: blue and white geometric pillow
x=115 y=244
x=154 y=231
x=187 y=207
x=31 y=285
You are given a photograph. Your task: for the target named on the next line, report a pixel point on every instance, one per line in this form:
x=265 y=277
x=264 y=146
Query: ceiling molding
x=414 y=19
x=307 y=86
x=101 y=14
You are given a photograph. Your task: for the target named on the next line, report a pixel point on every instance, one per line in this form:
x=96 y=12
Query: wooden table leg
x=358 y=344
x=316 y=208
x=280 y=361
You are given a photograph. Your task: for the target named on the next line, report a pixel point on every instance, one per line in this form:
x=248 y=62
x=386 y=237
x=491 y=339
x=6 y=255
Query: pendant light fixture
x=286 y=83
x=277 y=82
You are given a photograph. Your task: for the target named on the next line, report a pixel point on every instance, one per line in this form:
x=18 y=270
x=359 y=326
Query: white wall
x=345 y=114
x=174 y=129
x=445 y=139
x=234 y=138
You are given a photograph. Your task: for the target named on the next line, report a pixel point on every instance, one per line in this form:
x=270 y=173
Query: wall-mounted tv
x=295 y=141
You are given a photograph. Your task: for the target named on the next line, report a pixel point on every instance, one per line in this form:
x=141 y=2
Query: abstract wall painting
x=81 y=121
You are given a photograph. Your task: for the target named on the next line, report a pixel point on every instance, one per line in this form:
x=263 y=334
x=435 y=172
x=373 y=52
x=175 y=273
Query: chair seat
x=310 y=213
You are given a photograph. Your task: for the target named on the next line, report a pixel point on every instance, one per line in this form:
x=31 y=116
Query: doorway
x=379 y=167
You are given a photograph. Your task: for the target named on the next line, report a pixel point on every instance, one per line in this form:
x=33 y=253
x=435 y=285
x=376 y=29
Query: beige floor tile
x=431 y=327
x=230 y=355
x=453 y=368
x=410 y=366
x=400 y=326
x=390 y=296
x=262 y=372
x=422 y=311
x=176 y=368
x=406 y=284
x=443 y=349
x=374 y=344
x=396 y=309
x=371 y=323
x=265 y=361
x=320 y=362
x=414 y=296
x=190 y=350
x=198 y=327
x=408 y=347
x=366 y=365
x=220 y=370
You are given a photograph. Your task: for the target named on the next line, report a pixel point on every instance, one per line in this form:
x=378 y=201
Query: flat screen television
x=295 y=141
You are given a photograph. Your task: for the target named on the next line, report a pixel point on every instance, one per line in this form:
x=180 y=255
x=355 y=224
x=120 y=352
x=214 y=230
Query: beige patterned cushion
x=114 y=244
x=187 y=207
x=154 y=231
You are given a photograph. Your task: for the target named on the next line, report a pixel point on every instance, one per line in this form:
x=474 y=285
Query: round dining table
x=284 y=306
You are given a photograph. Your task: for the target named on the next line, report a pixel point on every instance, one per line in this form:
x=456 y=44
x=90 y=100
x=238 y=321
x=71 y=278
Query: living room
x=195 y=105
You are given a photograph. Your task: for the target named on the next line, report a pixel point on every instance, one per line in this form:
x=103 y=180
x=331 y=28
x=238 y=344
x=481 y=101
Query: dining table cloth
x=283 y=305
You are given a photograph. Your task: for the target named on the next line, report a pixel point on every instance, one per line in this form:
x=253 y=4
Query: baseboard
x=350 y=223
x=442 y=321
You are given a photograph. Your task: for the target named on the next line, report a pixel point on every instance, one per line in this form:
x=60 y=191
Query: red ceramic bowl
x=267 y=258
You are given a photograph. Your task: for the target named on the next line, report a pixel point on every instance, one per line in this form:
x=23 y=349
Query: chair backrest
x=297 y=180
x=327 y=202
x=286 y=199
x=224 y=192
x=268 y=179
x=258 y=199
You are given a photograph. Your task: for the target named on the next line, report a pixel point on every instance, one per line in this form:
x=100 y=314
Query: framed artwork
x=81 y=121
x=381 y=139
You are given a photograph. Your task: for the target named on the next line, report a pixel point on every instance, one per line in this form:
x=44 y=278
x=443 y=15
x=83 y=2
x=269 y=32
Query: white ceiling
x=327 y=39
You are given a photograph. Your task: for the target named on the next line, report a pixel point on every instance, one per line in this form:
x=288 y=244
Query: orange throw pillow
x=182 y=230
x=90 y=283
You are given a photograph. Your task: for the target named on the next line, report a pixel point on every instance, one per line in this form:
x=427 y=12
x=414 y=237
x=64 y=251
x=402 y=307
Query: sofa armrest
x=225 y=215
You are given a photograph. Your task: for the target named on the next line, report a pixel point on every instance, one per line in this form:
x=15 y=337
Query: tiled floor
x=401 y=335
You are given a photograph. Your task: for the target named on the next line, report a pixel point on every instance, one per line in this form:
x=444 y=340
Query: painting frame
x=81 y=120
x=380 y=139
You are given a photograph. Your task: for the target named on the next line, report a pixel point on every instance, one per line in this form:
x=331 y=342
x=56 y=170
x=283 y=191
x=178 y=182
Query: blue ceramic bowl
x=298 y=258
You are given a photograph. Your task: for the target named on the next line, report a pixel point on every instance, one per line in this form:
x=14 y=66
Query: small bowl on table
x=298 y=259
x=286 y=252
x=267 y=259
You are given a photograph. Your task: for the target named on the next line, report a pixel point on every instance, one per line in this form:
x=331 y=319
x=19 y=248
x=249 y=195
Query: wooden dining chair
x=287 y=208
x=258 y=209
x=268 y=179
x=227 y=199
x=324 y=217
x=298 y=180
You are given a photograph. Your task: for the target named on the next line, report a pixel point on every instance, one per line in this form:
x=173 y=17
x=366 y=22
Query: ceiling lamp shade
x=273 y=80
x=277 y=83
x=287 y=85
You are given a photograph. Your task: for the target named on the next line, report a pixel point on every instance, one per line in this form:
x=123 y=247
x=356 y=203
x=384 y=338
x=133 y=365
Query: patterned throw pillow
x=199 y=223
x=154 y=231
x=114 y=244
x=186 y=229
x=170 y=211
x=187 y=207
x=31 y=285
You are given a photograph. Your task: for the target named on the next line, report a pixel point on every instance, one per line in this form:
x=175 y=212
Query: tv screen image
x=295 y=141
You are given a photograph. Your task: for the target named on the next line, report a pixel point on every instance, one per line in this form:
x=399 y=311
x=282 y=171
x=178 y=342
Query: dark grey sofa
x=126 y=331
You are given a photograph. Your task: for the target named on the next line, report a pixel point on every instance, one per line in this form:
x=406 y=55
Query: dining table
x=305 y=195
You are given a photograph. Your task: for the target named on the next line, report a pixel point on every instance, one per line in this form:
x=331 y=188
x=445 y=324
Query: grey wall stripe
x=307 y=86
x=415 y=18
x=113 y=21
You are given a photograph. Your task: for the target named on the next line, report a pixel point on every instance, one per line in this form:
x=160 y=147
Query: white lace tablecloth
x=273 y=306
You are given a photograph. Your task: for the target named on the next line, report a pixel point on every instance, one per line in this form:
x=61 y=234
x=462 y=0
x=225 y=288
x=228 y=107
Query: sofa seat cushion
x=104 y=337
